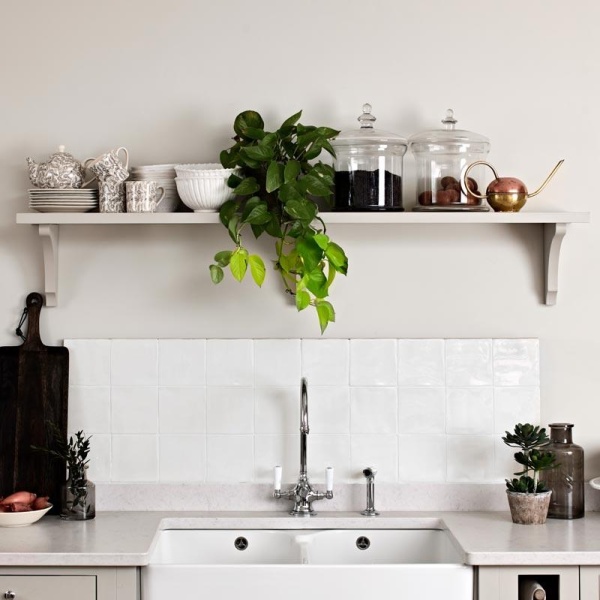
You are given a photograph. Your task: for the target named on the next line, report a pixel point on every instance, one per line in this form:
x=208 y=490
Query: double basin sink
x=267 y=564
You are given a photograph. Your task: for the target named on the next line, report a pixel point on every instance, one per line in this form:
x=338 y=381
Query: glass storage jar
x=441 y=156
x=566 y=480
x=368 y=167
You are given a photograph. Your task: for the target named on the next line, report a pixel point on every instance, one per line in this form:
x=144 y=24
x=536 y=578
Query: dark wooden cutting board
x=34 y=386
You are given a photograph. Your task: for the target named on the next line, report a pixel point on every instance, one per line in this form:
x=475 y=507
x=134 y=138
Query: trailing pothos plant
x=533 y=458
x=275 y=185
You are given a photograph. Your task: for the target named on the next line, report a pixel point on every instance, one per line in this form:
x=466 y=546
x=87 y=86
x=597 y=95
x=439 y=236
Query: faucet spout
x=304 y=429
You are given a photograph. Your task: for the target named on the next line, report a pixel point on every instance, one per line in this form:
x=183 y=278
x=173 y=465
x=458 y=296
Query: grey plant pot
x=529 y=509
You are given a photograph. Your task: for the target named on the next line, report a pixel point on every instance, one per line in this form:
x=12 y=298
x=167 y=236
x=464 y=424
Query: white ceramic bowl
x=21 y=519
x=205 y=194
x=202 y=170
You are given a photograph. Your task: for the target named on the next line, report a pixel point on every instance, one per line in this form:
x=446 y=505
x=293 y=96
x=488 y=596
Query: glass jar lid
x=449 y=138
x=367 y=135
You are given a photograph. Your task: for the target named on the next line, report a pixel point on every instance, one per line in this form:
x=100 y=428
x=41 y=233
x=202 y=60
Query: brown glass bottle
x=566 y=480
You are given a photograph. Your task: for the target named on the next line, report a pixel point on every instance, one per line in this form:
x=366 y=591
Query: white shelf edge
x=554 y=226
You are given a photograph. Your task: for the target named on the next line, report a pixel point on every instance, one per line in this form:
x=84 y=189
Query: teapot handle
x=464 y=184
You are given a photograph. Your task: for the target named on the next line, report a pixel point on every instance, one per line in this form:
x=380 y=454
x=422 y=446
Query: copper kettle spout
x=560 y=162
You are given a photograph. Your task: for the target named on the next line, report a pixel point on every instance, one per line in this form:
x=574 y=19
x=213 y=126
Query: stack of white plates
x=164 y=175
x=66 y=200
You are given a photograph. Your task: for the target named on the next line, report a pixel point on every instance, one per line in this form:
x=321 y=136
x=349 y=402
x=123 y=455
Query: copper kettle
x=504 y=194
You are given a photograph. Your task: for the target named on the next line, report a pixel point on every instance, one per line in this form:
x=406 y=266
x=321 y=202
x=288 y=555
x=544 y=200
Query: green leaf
x=337 y=257
x=273 y=227
x=223 y=258
x=249 y=205
x=274 y=176
x=291 y=120
x=234 y=180
x=269 y=140
x=289 y=191
x=247 y=187
x=329 y=307
x=301 y=209
x=257 y=230
x=232 y=227
x=291 y=171
x=228 y=158
x=313 y=151
x=259 y=215
x=238 y=264
x=302 y=299
x=257 y=269
x=327 y=132
x=216 y=273
x=324 y=314
x=322 y=240
x=310 y=252
x=246 y=120
x=315 y=186
x=258 y=153
x=227 y=211
x=289 y=262
x=316 y=282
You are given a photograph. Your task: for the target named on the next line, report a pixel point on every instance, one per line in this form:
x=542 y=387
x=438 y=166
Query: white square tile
x=89 y=362
x=89 y=409
x=277 y=362
x=229 y=458
x=421 y=362
x=422 y=410
x=468 y=362
x=99 y=465
x=422 y=458
x=329 y=451
x=470 y=410
x=377 y=451
x=470 y=458
x=134 y=362
x=181 y=458
x=329 y=409
x=516 y=362
x=182 y=362
x=514 y=405
x=230 y=362
x=134 y=409
x=373 y=410
x=182 y=409
x=134 y=458
x=277 y=409
x=229 y=410
x=373 y=362
x=505 y=465
x=326 y=362
x=272 y=450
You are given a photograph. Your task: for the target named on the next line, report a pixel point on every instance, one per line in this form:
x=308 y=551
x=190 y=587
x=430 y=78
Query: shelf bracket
x=49 y=237
x=554 y=234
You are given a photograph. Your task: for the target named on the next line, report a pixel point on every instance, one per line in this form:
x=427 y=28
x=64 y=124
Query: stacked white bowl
x=203 y=187
x=164 y=175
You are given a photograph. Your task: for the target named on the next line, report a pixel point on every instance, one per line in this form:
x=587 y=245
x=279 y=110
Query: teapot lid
x=448 y=136
x=366 y=135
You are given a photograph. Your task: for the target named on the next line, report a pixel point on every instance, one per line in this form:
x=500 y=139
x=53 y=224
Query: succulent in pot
x=275 y=194
x=528 y=497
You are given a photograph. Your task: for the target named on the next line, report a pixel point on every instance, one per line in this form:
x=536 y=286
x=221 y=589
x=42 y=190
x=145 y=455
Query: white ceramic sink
x=300 y=564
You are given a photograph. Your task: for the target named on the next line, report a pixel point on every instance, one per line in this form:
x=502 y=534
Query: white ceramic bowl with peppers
x=22 y=508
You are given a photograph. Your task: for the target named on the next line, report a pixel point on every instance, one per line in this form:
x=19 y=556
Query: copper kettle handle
x=464 y=184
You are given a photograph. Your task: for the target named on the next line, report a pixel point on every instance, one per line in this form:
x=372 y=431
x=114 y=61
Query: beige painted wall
x=166 y=79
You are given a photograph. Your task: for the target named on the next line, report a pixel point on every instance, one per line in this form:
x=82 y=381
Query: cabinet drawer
x=48 y=587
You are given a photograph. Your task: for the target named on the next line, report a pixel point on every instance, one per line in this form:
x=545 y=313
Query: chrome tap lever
x=370 y=511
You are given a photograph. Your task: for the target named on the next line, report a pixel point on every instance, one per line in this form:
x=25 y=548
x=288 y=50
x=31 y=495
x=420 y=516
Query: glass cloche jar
x=368 y=167
x=441 y=155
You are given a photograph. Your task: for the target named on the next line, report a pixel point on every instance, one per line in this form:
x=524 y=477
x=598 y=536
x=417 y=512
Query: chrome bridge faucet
x=370 y=511
x=303 y=493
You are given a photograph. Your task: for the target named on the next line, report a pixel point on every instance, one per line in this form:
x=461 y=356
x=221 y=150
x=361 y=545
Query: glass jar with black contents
x=368 y=167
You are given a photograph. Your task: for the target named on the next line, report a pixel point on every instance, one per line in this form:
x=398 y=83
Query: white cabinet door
x=589 y=581
x=48 y=587
x=502 y=583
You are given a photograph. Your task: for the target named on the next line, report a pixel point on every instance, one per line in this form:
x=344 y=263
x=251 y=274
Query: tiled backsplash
x=227 y=411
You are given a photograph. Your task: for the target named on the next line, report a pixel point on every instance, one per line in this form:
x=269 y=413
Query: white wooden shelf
x=553 y=224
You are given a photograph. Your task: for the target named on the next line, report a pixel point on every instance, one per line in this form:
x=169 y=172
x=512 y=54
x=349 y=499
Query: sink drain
x=362 y=543
x=241 y=543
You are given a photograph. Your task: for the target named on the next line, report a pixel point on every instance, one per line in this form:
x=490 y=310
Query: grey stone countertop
x=127 y=538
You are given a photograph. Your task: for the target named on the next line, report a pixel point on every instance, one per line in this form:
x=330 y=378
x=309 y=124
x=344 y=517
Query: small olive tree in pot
x=528 y=497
